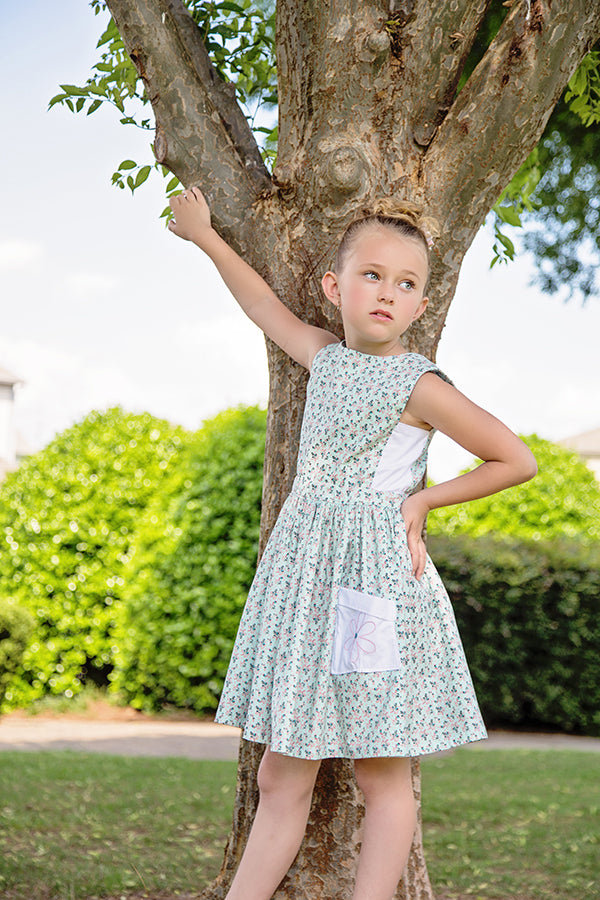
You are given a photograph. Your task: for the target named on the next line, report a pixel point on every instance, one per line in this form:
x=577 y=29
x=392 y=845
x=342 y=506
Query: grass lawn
x=497 y=824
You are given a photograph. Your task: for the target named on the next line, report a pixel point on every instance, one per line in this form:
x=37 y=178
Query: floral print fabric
x=341 y=652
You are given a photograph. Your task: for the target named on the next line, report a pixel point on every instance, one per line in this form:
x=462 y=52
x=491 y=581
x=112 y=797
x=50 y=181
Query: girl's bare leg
x=389 y=825
x=286 y=785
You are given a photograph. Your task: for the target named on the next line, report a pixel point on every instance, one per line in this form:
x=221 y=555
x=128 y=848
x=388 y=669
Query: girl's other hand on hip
x=414 y=512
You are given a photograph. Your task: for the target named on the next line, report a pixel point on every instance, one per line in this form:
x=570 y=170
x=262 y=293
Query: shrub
x=16 y=626
x=562 y=500
x=528 y=616
x=67 y=517
x=193 y=563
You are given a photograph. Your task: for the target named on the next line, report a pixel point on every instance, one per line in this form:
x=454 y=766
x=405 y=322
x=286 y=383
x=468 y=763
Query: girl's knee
x=379 y=776
x=279 y=774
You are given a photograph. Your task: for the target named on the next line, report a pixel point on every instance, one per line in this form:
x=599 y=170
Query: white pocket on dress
x=365 y=634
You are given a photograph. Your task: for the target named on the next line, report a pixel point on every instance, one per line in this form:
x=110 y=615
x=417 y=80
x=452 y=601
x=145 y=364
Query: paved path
x=198 y=740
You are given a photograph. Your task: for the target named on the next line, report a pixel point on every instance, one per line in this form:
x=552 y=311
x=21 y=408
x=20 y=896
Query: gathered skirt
x=341 y=651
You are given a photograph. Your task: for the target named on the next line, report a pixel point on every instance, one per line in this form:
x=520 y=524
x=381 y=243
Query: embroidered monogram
x=365 y=634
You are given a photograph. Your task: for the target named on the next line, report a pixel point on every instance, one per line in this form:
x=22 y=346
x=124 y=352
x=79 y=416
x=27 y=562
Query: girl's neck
x=384 y=348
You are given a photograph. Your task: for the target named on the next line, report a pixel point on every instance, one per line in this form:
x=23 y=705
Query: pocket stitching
x=348 y=645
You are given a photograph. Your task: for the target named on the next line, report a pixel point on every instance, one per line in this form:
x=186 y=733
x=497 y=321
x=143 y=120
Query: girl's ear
x=331 y=289
x=421 y=308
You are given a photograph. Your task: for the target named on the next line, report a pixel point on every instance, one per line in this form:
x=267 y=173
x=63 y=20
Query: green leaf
x=127 y=164
x=507 y=244
x=73 y=91
x=240 y=38
x=58 y=98
x=234 y=7
x=509 y=215
x=142 y=175
x=110 y=34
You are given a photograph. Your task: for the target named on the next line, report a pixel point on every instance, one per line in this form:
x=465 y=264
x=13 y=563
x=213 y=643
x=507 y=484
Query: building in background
x=587 y=445
x=11 y=445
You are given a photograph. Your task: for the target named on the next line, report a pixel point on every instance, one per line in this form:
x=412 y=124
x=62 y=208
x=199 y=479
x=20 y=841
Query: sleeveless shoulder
x=321 y=355
x=417 y=365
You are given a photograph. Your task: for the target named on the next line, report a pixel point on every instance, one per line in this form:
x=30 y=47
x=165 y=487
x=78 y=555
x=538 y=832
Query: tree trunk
x=368 y=108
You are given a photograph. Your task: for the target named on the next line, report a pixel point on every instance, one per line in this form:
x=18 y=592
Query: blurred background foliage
x=563 y=500
x=129 y=546
x=194 y=559
x=68 y=516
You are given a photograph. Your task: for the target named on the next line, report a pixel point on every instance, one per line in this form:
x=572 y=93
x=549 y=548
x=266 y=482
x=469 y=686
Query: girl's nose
x=386 y=295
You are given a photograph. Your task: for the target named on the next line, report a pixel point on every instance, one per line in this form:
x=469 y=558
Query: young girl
x=348 y=645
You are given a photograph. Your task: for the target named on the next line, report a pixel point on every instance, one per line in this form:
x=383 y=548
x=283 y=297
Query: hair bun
x=401 y=215
x=405 y=211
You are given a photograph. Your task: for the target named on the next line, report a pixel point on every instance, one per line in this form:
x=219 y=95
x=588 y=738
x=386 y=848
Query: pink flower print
x=358 y=642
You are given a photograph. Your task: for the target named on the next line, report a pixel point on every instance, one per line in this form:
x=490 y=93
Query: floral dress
x=341 y=651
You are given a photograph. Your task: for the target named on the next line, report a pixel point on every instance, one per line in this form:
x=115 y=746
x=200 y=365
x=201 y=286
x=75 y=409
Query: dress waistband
x=344 y=490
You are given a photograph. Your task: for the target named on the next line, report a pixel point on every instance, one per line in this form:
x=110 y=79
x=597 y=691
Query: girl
x=348 y=645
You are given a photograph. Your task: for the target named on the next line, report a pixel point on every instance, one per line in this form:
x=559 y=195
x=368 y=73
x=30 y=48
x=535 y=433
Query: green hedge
x=16 y=627
x=563 y=500
x=133 y=544
x=192 y=566
x=67 y=518
x=529 y=616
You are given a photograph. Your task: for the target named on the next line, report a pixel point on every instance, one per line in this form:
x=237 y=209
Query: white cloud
x=59 y=388
x=89 y=283
x=15 y=254
x=223 y=362
x=185 y=376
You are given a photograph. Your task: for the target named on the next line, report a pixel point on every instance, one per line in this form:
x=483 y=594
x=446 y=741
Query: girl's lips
x=381 y=314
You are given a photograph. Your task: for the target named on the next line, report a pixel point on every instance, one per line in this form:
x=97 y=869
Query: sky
x=101 y=306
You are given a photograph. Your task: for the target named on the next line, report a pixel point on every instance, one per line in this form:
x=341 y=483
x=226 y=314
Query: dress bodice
x=353 y=444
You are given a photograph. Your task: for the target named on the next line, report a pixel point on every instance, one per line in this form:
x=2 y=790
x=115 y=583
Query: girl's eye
x=372 y=276
x=407 y=284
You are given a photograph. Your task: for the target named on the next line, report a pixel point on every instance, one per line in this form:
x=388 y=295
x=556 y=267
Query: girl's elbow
x=527 y=467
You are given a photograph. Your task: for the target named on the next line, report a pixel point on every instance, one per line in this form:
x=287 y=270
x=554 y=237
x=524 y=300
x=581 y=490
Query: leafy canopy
x=240 y=40
x=550 y=193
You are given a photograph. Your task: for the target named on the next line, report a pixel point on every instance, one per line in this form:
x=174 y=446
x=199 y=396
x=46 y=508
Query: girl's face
x=379 y=290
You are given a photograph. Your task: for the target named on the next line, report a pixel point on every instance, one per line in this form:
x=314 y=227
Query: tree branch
x=201 y=132
x=480 y=145
x=331 y=58
x=443 y=35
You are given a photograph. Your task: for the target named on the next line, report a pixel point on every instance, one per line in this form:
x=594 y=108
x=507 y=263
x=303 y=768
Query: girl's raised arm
x=299 y=340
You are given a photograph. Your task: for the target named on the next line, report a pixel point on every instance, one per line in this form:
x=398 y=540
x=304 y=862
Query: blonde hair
x=404 y=217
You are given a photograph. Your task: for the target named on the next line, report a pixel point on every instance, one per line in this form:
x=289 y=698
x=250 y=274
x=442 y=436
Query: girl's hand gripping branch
x=298 y=339
x=192 y=216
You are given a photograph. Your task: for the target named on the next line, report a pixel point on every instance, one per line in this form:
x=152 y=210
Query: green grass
x=497 y=824
x=76 y=825
x=513 y=824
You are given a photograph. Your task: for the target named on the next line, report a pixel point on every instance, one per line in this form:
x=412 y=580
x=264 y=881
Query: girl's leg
x=286 y=785
x=389 y=826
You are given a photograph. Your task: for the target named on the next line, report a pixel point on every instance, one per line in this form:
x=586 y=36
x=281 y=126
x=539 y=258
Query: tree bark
x=368 y=108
